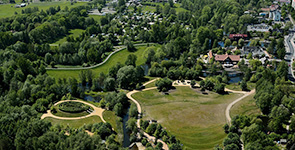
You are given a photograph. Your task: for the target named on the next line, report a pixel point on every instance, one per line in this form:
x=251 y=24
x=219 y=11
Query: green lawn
x=195 y=119
x=7 y=10
x=118 y=57
x=75 y=33
x=74 y=123
x=66 y=114
x=96 y=17
x=110 y=117
x=246 y=106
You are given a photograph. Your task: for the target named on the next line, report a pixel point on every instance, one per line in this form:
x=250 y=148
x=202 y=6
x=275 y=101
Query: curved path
x=96 y=112
x=97 y=65
x=229 y=106
x=178 y=83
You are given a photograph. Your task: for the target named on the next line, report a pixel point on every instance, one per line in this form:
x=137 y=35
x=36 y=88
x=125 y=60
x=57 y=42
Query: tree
x=82 y=77
x=110 y=84
x=219 y=88
x=281 y=53
x=171 y=3
x=126 y=77
x=131 y=60
x=243 y=85
x=193 y=82
x=164 y=85
x=130 y=46
x=227 y=43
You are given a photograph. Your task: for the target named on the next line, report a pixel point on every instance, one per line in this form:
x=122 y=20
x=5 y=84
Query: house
x=283 y=141
x=228 y=60
x=259 y=28
x=236 y=37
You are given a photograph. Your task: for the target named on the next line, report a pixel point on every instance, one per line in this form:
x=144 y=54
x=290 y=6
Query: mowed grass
x=119 y=57
x=195 y=119
x=75 y=33
x=96 y=17
x=246 y=106
x=7 y=10
x=74 y=123
x=66 y=114
x=110 y=117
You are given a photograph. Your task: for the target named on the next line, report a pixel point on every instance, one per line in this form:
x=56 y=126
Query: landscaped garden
x=194 y=118
x=71 y=109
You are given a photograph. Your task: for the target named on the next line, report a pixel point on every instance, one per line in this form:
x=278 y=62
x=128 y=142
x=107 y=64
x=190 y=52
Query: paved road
x=290 y=56
x=97 y=65
x=96 y=112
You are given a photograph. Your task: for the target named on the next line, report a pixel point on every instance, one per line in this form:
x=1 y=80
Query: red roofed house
x=228 y=60
x=236 y=37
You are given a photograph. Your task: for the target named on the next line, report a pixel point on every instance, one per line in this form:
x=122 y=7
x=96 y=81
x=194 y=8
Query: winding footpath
x=177 y=83
x=96 y=112
x=97 y=65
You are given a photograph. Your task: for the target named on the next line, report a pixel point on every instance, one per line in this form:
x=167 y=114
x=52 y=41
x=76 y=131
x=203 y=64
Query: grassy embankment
x=119 y=57
x=246 y=106
x=195 y=119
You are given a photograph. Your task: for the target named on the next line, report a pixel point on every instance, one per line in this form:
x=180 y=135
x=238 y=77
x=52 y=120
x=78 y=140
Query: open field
x=75 y=33
x=119 y=57
x=195 y=119
x=7 y=10
x=74 y=123
x=110 y=117
x=246 y=106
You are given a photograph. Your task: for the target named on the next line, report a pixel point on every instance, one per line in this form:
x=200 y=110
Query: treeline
x=274 y=97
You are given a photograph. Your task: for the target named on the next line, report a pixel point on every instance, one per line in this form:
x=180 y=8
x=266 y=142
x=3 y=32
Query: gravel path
x=96 y=112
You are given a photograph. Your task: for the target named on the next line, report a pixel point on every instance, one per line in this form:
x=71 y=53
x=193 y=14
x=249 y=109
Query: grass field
x=246 y=106
x=74 y=123
x=110 y=117
x=7 y=10
x=96 y=17
x=118 y=57
x=75 y=33
x=195 y=119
